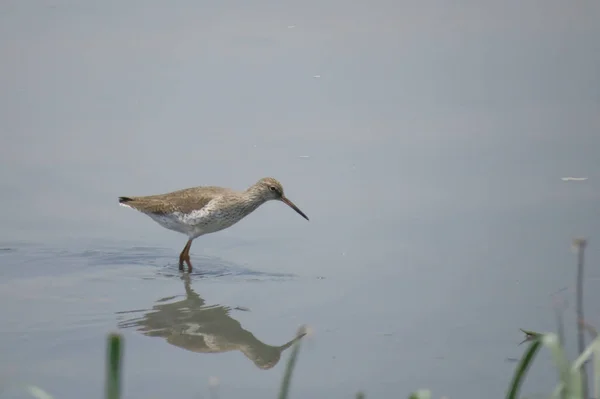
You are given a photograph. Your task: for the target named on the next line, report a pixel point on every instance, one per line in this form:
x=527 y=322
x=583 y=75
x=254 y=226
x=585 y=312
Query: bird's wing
x=186 y=200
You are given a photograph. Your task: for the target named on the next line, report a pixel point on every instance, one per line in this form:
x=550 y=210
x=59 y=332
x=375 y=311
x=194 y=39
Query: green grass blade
x=592 y=350
x=522 y=367
x=287 y=377
x=558 y=391
x=421 y=394
x=38 y=393
x=567 y=378
x=360 y=395
x=596 y=370
x=113 y=366
x=575 y=389
x=588 y=352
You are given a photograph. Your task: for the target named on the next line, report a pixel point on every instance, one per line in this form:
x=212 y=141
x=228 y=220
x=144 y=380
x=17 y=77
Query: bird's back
x=185 y=200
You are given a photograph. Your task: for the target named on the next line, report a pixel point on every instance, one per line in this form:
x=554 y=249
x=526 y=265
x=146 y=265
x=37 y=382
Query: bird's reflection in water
x=191 y=325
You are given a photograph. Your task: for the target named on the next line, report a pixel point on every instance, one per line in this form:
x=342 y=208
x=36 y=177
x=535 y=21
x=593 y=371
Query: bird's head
x=269 y=189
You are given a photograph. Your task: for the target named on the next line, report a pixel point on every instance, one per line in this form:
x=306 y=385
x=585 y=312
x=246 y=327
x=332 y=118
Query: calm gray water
x=427 y=153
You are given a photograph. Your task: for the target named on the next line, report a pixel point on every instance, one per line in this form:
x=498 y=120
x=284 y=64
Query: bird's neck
x=253 y=198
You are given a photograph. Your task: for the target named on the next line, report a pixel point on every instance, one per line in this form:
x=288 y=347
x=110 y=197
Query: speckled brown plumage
x=202 y=210
x=186 y=200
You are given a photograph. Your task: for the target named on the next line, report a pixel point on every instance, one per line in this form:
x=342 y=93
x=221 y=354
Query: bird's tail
x=142 y=204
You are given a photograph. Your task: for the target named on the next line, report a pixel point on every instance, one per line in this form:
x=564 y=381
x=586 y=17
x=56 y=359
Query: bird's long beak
x=294 y=207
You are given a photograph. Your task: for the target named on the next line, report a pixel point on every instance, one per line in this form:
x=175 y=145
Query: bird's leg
x=187 y=257
x=184 y=256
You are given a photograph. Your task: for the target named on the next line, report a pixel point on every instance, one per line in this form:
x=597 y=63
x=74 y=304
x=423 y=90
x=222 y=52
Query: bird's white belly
x=195 y=223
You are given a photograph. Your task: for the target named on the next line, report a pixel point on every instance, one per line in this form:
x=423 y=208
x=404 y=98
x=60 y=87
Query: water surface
x=428 y=156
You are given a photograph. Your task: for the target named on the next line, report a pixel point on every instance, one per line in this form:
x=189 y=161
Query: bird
x=196 y=211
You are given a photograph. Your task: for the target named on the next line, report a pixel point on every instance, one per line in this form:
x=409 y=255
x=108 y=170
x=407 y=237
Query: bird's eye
x=273 y=188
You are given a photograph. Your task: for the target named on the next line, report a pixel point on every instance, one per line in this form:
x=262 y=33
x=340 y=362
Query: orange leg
x=185 y=257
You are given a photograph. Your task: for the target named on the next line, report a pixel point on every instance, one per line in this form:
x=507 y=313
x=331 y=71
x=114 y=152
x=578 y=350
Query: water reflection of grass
x=572 y=377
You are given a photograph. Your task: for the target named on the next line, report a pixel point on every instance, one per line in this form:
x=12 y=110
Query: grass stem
x=113 y=366
x=580 y=244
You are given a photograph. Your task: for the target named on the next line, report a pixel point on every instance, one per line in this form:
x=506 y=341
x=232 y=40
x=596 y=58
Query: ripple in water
x=162 y=259
x=210 y=267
